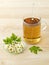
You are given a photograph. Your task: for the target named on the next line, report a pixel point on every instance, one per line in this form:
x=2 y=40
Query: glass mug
x=32 y=30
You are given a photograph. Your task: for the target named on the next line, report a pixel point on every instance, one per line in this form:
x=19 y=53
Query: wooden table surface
x=7 y=26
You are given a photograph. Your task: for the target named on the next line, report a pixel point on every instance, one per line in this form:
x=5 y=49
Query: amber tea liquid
x=32 y=30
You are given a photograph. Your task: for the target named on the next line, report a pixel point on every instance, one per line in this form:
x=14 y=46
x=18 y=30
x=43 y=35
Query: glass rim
x=32 y=24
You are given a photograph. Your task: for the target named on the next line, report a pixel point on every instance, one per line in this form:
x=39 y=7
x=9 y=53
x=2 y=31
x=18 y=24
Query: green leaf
x=7 y=41
x=13 y=36
x=11 y=39
x=35 y=49
x=18 y=39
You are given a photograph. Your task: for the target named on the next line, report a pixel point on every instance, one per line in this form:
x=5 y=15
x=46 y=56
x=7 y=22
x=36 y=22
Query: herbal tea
x=32 y=30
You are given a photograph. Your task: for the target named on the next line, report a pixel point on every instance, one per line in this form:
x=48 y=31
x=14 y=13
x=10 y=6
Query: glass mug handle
x=43 y=25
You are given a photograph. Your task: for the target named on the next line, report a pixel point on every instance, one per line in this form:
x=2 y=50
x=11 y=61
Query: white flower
x=15 y=48
x=19 y=50
x=11 y=48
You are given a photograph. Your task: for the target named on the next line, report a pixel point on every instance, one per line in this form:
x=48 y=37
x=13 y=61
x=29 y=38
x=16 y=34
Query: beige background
x=11 y=9
x=24 y=8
